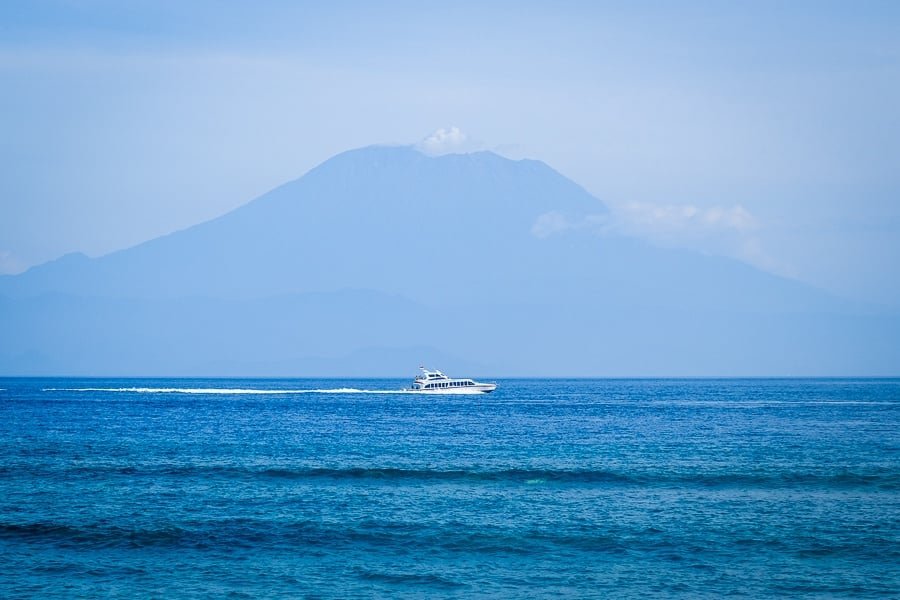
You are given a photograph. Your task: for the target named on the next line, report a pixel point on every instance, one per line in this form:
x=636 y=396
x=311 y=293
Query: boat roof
x=426 y=374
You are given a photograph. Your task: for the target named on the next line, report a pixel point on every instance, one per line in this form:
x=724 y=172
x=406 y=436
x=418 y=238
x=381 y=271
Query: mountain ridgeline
x=382 y=258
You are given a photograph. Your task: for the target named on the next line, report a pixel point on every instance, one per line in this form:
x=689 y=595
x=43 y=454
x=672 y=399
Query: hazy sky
x=764 y=131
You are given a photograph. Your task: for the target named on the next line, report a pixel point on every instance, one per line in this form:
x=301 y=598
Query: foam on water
x=248 y=391
x=226 y=391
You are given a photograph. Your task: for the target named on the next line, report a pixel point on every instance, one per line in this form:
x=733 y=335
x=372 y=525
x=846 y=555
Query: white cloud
x=10 y=264
x=722 y=230
x=665 y=219
x=448 y=140
x=719 y=229
x=549 y=223
x=554 y=222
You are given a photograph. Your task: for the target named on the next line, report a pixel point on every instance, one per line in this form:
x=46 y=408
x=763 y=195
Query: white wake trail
x=225 y=391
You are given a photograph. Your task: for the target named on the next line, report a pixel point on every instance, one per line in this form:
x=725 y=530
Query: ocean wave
x=362 y=474
x=381 y=536
x=261 y=533
x=399 y=578
x=93 y=536
x=888 y=480
x=589 y=476
x=528 y=476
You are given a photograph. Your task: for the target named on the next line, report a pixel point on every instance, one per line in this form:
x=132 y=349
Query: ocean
x=216 y=488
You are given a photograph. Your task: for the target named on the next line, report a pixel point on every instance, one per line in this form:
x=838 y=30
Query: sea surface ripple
x=210 y=488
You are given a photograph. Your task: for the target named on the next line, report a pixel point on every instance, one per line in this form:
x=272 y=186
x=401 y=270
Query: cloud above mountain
x=448 y=140
x=727 y=230
x=656 y=219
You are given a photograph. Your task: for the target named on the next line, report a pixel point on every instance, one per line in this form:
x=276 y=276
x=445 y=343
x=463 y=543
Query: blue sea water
x=213 y=488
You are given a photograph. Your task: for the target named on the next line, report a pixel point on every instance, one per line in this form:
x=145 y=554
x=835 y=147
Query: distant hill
x=382 y=254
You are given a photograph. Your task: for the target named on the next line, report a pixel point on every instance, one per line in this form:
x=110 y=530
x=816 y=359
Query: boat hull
x=481 y=388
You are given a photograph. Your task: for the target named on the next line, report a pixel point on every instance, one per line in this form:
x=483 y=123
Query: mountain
x=473 y=259
x=375 y=218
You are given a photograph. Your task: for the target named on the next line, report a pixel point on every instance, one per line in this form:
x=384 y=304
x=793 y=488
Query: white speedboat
x=435 y=382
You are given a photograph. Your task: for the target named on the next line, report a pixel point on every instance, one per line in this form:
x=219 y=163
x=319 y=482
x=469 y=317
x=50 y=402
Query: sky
x=767 y=131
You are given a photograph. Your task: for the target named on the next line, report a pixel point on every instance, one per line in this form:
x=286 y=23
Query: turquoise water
x=580 y=488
